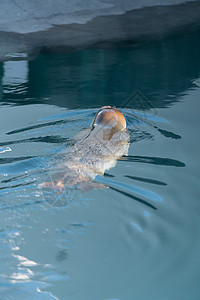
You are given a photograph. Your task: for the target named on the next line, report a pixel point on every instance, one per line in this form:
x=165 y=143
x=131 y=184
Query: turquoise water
x=138 y=239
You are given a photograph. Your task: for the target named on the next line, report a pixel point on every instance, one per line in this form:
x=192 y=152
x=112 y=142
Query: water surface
x=138 y=239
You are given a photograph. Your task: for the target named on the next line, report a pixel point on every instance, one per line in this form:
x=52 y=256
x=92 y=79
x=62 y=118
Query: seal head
x=109 y=119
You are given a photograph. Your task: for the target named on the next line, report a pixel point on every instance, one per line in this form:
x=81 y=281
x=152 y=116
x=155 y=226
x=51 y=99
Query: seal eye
x=109 y=117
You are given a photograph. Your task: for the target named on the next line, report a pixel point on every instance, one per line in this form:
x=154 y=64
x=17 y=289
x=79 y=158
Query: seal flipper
x=86 y=186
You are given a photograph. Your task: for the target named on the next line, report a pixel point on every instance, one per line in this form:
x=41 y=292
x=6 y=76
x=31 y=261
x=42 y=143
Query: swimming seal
x=92 y=155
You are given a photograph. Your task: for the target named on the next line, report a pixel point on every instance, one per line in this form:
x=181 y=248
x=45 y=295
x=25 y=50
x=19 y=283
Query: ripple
x=5 y=149
x=9 y=160
x=148 y=180
x=38 y=126
x=134 y=197
x=162 y=161
x=75 y=114
x=19 y=165
x=132 y=191
x=135 y=225
x=136 y=120
x=44 y=139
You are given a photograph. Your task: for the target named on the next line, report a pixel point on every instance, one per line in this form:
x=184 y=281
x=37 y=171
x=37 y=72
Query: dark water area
x=139 y=238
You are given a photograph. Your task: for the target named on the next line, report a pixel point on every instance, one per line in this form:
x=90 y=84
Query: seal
x=106 y=141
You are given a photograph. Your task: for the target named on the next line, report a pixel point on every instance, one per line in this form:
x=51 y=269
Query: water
x=138 y=239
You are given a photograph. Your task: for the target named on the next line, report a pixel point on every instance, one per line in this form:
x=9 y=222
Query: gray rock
x=29 y=26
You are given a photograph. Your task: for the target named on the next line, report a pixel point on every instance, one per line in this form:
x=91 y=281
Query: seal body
x=98 y=151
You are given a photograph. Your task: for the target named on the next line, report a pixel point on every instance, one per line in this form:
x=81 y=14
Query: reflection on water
x=139 y=237
x=75 y=80
x=15 y=77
